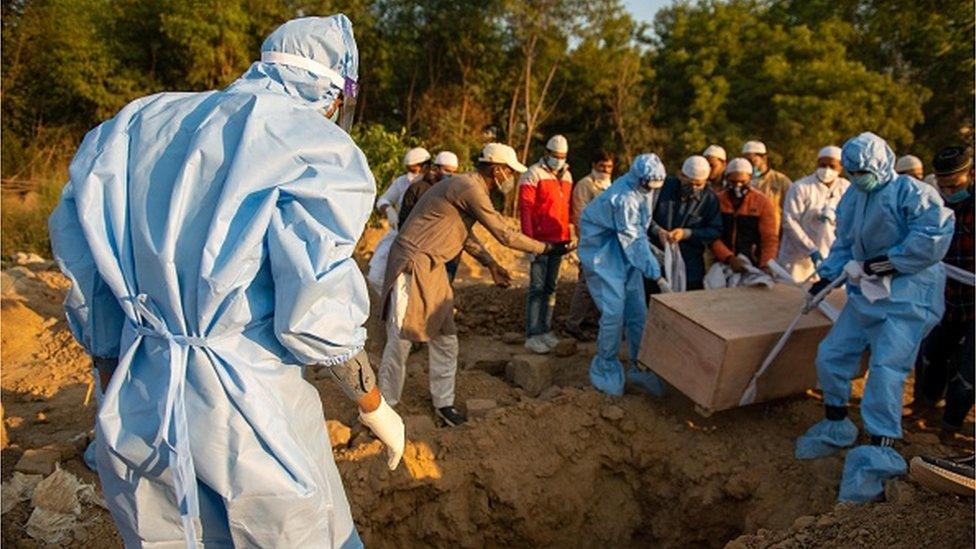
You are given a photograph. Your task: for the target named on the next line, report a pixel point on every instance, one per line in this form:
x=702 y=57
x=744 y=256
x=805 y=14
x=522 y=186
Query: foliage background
x=797 y=74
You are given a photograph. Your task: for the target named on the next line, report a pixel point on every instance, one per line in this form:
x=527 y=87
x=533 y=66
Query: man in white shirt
x=809 y=215
x=416 y=161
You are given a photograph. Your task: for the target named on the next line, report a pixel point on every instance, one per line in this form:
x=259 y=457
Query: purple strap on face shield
x=350 y=88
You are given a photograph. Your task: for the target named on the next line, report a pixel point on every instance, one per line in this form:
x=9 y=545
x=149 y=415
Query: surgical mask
x=506 y=185
x=555 y=164
x=756 y=173
x=867 y=182
x=827 y=175
x=739 y=191
x=414 y=177
x=647 y=185
x=957 y=196
x=599 y=176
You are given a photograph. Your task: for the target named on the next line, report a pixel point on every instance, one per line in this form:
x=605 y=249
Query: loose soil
x=569 y=468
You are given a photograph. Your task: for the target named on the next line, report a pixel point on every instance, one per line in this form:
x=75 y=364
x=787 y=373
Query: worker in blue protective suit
x=208 y=240
x=891 y=226
x=616 y=257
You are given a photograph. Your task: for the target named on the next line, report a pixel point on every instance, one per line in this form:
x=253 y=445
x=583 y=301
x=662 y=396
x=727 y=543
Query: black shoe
x=450 y=416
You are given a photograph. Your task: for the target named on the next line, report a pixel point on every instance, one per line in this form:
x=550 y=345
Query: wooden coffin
x=708 y=344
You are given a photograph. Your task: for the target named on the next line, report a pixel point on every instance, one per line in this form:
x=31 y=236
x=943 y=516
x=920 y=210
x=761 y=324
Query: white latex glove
x=664 y=285
x=387 y=425
x=392 y=217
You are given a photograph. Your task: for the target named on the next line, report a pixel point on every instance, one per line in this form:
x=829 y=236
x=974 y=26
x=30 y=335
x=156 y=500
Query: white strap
x=961 y=276
x=310 y=65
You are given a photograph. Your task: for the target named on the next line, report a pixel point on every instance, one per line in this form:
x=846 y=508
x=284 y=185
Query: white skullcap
x=907 y=162
x=716 y=151
x=739 y=165
x=696 y=167
x=446 y=158
x=558 y=144
x=755 y=147
x=830 y=151
x=416 y=155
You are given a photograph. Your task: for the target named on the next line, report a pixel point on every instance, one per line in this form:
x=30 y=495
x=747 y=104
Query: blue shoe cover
x=89 y=457
x=607 y=376
x=646 y=381
x=826 y=438
x=865 y=471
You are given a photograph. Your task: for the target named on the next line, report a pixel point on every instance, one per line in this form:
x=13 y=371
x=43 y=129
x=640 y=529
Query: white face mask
x=506 y=185
x=827 y=175
x=599 y=176
x=555 y=164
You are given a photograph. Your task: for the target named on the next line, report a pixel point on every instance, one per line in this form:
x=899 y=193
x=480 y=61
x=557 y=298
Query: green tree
x=726 y=74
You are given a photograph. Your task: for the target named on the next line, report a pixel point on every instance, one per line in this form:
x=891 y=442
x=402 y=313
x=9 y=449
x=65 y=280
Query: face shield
x=343 y=108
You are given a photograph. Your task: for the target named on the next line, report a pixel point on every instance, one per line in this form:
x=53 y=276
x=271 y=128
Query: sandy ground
x=569 y=468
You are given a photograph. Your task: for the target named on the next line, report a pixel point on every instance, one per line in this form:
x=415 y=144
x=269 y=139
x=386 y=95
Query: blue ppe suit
x=616 y=256
x=905 y=220
x=208 y=240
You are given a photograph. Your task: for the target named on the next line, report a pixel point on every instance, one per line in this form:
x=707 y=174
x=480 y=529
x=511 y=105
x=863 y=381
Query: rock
x=339 y=434
x=21 y=258
x=479 y=407
x=491 y=367
x=826 y=520
x=550 y=393
x=803 y=522
x=613 y=413
x=513 y=338
x=565 y=347
x=533 y=373
x=900 y=492
x=21 y=272
x=38 y=461
x=418 y=425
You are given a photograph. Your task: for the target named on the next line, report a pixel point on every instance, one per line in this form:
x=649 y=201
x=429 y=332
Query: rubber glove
x=387 y=425
x=392 y=217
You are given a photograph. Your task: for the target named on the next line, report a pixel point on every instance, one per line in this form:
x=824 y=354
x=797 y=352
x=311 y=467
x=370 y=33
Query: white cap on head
x=830 y=151
x=446 y=158
x=754 y=147
x=416 y=155
x=557 y=144
x=716 y=151
x=696 y=167
x=499 y=153
x=739 y=165
x=907 y=162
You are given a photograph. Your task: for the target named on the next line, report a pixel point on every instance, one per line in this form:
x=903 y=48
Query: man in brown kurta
x=418 y=302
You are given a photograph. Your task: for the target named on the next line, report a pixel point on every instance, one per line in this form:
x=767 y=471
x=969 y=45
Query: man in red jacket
x=748 y=221
x=545 y=191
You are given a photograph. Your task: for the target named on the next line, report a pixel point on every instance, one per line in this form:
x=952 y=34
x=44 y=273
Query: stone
x=418 y=425
x=491 y=367
x=900 y=492
x=339 y=434
x=38 y=461
x=21 y=272
x=565 y=348
x=803 y=522
x=479 y=407
x=613 y=413
x=550 y=393
x=533 y=373
x=513 y=338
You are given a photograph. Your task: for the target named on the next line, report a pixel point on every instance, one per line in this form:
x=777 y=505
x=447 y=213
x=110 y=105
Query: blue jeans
x=543 y=274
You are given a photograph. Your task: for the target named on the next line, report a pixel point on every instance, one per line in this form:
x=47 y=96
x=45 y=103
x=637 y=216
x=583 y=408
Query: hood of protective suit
x=325 y=40
x=647 y=166
x=870 y=153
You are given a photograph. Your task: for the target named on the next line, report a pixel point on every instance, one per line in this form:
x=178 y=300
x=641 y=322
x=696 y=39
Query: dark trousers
x=945 y=367
x=543 y=274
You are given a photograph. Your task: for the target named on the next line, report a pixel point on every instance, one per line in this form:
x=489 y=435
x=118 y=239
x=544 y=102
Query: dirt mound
x=569 y=468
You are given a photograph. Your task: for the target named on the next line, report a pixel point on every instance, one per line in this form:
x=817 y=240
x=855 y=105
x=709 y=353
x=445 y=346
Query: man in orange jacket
x=748 y=221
